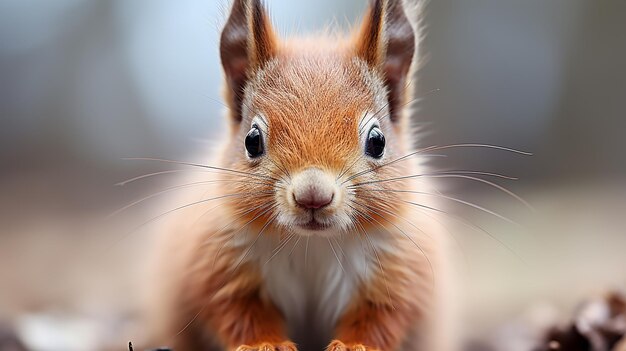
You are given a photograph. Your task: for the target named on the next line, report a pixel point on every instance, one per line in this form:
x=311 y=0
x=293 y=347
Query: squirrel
x=310 y=234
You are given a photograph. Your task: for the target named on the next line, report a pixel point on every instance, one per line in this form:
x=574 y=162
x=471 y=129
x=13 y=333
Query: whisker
x=486 y=146
x=469 y=224
x=204 y=306
x=446 y=175
x=193 y=319
x=306 y=250
x=280 y=247
x=181 y=186
x=283 y=170
x=380 y=266
x=492 y=184
x=449 y=232
x=335 y=253
x=362 y=125
x=145 y=198
x=253 y=175
x=432 y=270
x=374 y=115
x=341 y=252
x=401 y=218
x=264 y=207
x=247 y=252
x=232 y=236
x=294 y=245
x=362 y=120
x=435 y=148
x=355 y=221
x=489 y=174
x=346 y=169
x=183 y=207
x=124 y=182
x=467 y=203
x=242 y=212
x=454 y=238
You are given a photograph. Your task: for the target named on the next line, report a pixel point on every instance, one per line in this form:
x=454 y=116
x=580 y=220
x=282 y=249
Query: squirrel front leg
x=250 y=323
x=387 y=309
x=230 y=306
x=369 y=326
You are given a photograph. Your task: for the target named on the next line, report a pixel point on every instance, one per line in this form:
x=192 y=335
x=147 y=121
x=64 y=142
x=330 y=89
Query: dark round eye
x=375 y=144
x=254 y=142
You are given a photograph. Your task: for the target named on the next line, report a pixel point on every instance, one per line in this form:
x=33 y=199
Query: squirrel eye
x=375 y=144
x=254 y=142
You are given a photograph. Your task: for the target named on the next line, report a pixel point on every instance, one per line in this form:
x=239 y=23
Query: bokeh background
x=85 y=83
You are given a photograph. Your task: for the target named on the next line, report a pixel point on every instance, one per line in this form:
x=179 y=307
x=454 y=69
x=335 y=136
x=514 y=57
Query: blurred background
x=85 y=83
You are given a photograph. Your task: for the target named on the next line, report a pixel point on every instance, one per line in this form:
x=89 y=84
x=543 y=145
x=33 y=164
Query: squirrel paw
x=337 y=345
x=265 y=346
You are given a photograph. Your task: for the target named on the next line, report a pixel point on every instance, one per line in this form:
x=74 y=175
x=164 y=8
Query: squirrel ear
x=386 y=42
x=247 y=42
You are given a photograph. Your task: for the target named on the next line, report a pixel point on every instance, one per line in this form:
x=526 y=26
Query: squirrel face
x=315 y=118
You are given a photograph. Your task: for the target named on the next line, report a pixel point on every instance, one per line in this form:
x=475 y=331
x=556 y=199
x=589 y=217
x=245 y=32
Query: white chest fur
x=314 y=280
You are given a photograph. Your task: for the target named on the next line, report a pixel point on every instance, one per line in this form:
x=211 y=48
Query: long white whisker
x=222 y=285
x=252 y=175
x=454 y=238
x=335 y=253
x=177 y=187
x=149 y=175
x=280 y=247
x=432 y=270
x=433 y=148
x=247 y=252
x=439 y=175
x=232 y=236
x=264 y=209
x=469 y=224
x=380 y=266
x=294 y=245
x=492 y=184
x=178 y=209
x=306 y=250
x=467 y=203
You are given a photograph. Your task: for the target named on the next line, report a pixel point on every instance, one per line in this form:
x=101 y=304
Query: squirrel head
x=312 y=118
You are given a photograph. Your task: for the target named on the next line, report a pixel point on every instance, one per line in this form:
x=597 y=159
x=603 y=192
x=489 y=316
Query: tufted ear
x=247 y=42
x=386 y=42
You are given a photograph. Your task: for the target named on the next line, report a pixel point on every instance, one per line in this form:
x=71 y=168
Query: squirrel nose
x=313 y=198
x=312 y=190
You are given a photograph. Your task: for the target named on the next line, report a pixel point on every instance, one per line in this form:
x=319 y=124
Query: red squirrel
x=309 y=236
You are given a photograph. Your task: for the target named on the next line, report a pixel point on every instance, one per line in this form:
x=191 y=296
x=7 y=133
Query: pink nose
x=313 y=189
x=313 y=198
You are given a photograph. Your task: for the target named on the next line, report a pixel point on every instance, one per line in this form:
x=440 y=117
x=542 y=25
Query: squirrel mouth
x=314 y=225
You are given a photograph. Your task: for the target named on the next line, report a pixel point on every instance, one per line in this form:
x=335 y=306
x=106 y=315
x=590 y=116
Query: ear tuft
x=386 y=43
x=371 y=42
x=246 y=44
x=263 y=43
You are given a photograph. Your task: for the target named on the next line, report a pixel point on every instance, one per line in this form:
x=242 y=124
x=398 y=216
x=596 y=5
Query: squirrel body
x=307 y=235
